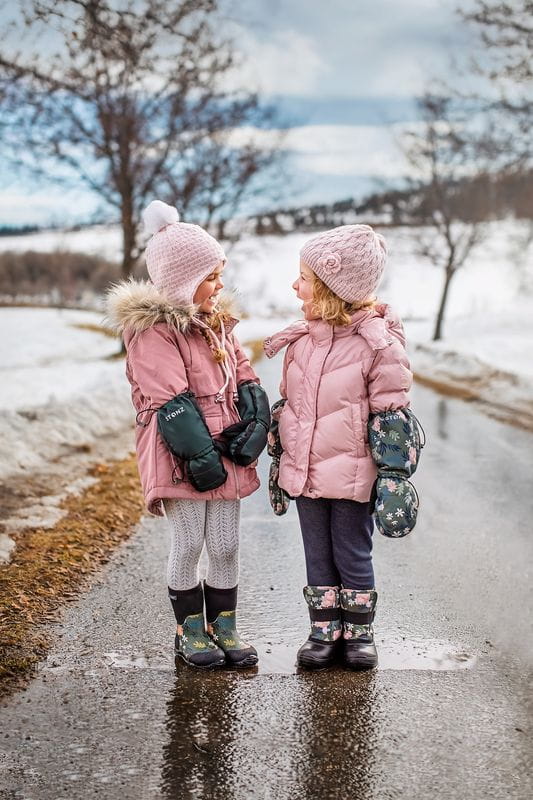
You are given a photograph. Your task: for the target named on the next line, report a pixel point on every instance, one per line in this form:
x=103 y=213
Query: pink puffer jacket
x=333 y=377
x=167 y=355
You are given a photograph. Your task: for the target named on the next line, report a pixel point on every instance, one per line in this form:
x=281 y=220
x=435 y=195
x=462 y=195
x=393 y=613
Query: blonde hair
x=332 y=308
x=215 y=322
x=217 y=319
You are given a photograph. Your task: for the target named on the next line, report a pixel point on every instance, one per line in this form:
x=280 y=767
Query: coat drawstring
x=221 y=344
x=148 y=410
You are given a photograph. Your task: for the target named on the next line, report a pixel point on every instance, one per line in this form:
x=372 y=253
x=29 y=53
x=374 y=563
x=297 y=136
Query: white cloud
x=337 y=149
x=288 y=63
x=349 y=48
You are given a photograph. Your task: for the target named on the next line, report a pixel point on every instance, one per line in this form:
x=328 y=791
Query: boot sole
x=302 y=662
x=249 y=661
x=214 y=665
x=362 y=665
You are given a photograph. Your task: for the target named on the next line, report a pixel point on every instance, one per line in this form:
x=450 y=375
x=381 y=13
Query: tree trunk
x=221 y=228
x=129 y=237
x=440 y=315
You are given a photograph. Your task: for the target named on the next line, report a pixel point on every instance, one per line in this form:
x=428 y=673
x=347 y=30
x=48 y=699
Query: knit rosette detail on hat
x=330 y=263
x=349 y=259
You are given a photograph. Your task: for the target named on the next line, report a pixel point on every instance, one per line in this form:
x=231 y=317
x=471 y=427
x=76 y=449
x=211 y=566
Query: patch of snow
x=7 y=546
x=58 y=391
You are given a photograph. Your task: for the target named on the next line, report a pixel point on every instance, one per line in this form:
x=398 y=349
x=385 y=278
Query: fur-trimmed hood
x=138 y=305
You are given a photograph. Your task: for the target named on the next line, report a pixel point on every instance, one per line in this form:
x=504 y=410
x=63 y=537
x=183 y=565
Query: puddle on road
x=425 y=654
x=277 y=659
x=414 y=654
x=127 y=660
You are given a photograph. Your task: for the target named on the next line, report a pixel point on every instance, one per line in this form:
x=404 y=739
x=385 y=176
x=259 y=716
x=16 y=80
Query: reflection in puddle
x=430 y=654
x=277 y=659
x=394 y=654
x=126 y=659
x=231 y=738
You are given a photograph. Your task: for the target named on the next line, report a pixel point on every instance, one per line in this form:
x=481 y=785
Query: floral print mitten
x=396 y=443
x=279 y=499
x=396 y=507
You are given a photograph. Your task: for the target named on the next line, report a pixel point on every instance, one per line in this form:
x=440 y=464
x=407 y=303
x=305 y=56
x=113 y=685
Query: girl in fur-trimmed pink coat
x=202 y=420
x=344 y=364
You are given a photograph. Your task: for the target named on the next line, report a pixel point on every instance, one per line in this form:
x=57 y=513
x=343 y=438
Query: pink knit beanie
x=349 y=260
x=179 y=256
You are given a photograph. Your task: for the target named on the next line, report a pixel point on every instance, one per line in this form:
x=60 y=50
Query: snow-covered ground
x=64 y=404
x=58 y=390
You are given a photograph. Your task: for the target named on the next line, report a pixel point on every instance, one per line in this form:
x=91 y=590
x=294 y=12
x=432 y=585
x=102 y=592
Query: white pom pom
x=382 y=242
x=157 y=215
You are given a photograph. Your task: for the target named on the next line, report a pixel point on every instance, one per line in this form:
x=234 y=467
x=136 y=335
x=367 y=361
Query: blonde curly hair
x=333 y=309
x=215 y=321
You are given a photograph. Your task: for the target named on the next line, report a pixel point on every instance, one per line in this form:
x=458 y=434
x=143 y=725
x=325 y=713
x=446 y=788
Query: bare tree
x=450 y=190
x=506 y=60
x=506 y=30
x=132 y=102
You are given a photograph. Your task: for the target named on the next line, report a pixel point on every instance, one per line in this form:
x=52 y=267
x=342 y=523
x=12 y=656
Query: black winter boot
x=220 y=605
x=192 y=643
x=322 y=647
x=358 y=610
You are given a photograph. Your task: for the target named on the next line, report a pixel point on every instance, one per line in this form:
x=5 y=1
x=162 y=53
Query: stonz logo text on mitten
x=175 y=413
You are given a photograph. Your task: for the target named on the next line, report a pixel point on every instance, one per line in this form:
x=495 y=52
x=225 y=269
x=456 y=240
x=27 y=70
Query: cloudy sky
x=344 y=74
x=347 y=48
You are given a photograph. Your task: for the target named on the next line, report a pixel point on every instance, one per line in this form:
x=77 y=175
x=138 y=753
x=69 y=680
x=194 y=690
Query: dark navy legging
x=337 y=536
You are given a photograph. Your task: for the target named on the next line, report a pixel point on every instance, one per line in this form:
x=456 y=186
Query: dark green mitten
x=244 y=442
x=185 y=432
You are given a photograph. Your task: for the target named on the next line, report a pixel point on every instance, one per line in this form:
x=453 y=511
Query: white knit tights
x=191 y=523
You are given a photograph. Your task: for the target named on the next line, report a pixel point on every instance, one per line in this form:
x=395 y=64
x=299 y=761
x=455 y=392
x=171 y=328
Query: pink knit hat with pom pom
x=179 y=256
x=349 y=260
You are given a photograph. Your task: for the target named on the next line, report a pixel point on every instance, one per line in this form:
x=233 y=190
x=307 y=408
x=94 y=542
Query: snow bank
x=59 y=392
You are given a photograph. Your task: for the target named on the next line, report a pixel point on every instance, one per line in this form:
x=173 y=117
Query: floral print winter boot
x=192 y=643
x=195 y=646
x=322 y=647
x=358 y=609
x=220 y=605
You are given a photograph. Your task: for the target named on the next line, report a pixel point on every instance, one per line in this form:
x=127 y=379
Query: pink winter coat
x=167 y=355
x=333 y=377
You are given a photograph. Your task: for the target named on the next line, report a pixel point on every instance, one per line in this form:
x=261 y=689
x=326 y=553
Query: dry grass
x=517 y=417
x=256 y=347
x=50 y=566
x=446 y=388
x=88 y=326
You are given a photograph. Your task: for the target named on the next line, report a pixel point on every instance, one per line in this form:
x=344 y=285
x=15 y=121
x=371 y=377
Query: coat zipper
x=315 y=403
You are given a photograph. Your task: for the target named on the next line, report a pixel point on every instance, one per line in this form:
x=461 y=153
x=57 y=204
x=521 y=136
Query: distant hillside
x=489 y=197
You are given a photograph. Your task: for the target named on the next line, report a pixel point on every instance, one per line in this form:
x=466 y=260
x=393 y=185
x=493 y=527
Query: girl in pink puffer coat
x=202 y=420
x=344 y=363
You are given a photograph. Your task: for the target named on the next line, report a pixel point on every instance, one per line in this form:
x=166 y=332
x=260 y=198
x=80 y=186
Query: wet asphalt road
x=447 y=714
